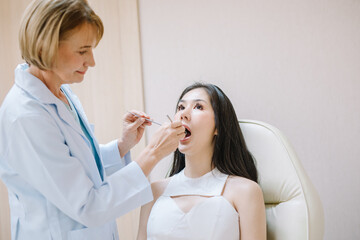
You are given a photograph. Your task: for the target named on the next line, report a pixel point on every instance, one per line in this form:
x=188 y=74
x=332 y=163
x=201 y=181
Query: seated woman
x=212 y=192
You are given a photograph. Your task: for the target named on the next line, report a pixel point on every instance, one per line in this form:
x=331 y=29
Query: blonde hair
x=46 y=22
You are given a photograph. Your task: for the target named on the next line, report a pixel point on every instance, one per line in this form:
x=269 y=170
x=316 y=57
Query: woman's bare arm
x=157 y=189
x=248 y=200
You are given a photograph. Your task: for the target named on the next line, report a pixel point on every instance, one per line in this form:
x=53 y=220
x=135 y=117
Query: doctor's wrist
x=147 y=160
x=123 y=148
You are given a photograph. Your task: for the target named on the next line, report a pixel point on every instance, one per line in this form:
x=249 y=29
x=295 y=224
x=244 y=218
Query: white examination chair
x=293 y=207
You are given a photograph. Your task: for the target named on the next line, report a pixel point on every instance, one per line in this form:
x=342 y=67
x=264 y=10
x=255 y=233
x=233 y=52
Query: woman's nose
x=90 y=61
x=185 y=114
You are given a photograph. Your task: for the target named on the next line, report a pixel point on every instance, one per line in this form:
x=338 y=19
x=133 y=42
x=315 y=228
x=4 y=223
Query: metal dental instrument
x=149 y=120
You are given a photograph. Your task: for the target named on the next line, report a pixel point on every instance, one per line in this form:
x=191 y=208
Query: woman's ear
x=215 y=133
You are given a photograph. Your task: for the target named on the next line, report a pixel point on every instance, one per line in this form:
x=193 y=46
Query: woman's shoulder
x=241 y=190
x=20 y=108
x=242 y=184
x=159 y=186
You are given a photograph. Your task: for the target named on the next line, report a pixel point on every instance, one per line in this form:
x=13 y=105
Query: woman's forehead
x=84 y=34
x=196 y=94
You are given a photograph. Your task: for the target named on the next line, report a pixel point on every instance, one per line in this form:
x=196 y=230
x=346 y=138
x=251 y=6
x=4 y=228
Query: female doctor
x=62 y=184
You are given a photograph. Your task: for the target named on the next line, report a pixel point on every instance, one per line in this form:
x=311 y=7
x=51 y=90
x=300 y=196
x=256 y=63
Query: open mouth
x=187 y=132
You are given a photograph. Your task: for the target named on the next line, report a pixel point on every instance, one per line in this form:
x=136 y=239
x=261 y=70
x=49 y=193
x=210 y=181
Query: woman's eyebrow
x=86 y=46
x=193 y=100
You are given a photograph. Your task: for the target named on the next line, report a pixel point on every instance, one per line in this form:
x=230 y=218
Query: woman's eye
x=199 y=106
x=82 y=52
x=180 y=107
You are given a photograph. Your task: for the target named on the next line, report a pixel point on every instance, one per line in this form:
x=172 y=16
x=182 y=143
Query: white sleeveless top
x=214 y=218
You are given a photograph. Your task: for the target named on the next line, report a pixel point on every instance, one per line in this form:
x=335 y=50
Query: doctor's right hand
x=164 y=141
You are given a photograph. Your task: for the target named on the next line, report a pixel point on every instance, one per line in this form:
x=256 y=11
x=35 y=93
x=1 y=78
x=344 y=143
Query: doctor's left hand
x=133 y=130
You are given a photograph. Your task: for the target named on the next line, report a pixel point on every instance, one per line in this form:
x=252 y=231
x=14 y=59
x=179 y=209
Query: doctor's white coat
x=46 y=162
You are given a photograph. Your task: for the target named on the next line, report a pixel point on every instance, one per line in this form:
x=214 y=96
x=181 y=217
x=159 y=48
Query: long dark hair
x=231 y=155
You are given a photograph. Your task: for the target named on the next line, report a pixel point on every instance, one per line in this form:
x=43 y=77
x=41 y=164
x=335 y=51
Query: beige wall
x=108 y=91
x=293 y=64
x=10 y=14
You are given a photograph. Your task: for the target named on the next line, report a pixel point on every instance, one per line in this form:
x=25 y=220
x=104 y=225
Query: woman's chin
x=183 y=149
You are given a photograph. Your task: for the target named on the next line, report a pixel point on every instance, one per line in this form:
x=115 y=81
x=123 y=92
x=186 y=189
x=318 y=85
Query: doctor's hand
x=133 y=130
x=164 y=141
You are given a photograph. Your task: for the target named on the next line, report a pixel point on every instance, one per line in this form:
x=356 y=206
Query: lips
x=81 y=72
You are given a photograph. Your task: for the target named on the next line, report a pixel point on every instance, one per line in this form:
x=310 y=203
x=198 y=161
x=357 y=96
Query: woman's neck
x=198 y=164
x=49 y=80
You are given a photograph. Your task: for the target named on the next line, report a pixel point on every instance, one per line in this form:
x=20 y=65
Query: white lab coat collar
x=38 y=90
